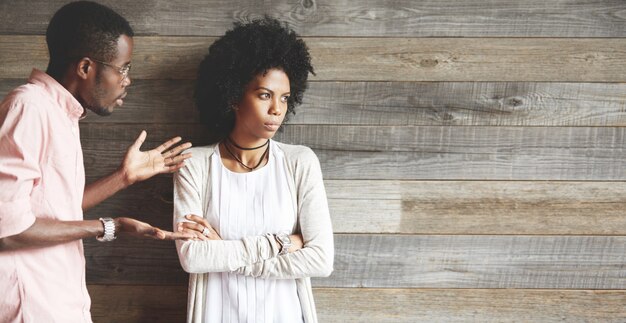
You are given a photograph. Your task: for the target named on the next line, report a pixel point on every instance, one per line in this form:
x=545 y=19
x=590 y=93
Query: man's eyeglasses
x=123 y=70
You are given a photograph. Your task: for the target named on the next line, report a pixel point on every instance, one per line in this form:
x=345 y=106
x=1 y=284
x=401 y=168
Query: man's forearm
x=104 y=188
x=47 y=232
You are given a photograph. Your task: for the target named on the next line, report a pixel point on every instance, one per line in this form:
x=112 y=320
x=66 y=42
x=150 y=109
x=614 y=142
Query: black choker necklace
x=242 y=148
x=241 y=162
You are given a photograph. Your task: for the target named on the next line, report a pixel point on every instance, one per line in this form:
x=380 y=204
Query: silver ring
x=206 y=232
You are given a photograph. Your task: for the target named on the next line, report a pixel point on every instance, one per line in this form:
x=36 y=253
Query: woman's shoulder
x=298 y=153
x=202 y=150
x=199 y=155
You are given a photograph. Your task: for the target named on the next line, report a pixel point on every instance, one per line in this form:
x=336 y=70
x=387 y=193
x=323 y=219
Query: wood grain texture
x=479 y=261
x=430 y=207
x=469 y=18
x=407 y=261
x=476 y=305
x=141 y=303
x=411 y=153
x=400 y=103
x=378 y=59
x=477 y=207
x=138 y=303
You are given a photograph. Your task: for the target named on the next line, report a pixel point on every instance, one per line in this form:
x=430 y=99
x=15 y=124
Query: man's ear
x=84 y=67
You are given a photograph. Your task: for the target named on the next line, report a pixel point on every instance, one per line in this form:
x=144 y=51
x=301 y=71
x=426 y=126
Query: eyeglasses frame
x=123 y=70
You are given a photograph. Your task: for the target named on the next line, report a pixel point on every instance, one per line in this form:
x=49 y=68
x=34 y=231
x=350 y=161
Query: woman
x=265 y=199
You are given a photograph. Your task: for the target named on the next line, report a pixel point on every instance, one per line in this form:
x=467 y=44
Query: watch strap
x=109 y=230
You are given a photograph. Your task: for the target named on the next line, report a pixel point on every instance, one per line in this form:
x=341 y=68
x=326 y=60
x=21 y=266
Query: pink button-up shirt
x=41 y=176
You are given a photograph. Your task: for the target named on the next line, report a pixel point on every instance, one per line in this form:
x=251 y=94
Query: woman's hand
x=296 y=242
x=199 y=228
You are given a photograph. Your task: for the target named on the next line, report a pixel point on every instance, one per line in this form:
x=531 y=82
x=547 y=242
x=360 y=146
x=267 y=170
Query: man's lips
x=120 y=100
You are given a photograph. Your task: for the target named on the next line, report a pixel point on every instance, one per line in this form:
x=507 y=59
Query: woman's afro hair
x=247 y=50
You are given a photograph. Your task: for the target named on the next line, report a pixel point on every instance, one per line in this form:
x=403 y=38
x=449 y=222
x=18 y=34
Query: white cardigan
x=256 y=256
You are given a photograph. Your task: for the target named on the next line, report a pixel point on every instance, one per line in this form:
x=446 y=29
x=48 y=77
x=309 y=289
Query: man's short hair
x=84 y=28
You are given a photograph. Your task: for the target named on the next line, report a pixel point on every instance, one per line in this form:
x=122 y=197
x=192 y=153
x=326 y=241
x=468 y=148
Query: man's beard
x=99 y=93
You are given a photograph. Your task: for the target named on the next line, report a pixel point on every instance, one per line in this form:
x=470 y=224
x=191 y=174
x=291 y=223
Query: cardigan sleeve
x=315 y=259
x=190 y=185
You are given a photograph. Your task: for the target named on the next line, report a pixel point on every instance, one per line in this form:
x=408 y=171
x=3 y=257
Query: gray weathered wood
x=140 y=303
x=469 y=18
x=430 y=207
x=475 y=305
x=400 y=103
x=476 y=207
x=569 y=262
x=378 y=59
x=464 y=103
x=407 y=261
x=429 y=152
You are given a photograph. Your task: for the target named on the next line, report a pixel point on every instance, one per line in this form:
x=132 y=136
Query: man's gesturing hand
x=140 y=165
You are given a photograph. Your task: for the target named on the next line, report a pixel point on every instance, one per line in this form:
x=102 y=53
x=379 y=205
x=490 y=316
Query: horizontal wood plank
x=430 y=207
x=411 y=153
x=377 y=59
x=400 y=103
x=141 y=303
x=138 y=303
x=471 y=18
x=401 y=261
x=476 y=305
x=568 y=262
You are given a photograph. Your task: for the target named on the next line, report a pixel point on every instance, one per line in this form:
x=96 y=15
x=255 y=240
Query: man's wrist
x=109 y=230
x=124 y=177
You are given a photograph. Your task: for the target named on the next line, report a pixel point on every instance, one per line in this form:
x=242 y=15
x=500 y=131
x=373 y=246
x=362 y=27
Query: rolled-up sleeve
x=315 y=259
x=21 y=145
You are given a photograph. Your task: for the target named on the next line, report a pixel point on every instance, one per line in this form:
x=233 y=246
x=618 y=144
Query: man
x=42 y=180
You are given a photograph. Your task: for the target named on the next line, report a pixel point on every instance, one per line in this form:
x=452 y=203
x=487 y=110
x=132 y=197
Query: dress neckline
x=256 y=171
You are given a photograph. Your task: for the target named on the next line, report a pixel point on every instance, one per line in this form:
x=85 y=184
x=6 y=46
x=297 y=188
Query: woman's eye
x=264 y=96
x=285 y=98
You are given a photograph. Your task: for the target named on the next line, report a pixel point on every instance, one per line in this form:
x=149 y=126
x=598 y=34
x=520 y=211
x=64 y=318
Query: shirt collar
x=59 y=93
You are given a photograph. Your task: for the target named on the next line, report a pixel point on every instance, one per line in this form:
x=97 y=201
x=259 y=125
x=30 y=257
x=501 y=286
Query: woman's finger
x=192 y=226
x=197 y=219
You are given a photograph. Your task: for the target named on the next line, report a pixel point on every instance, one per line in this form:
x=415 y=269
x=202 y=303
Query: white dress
x=251 y=204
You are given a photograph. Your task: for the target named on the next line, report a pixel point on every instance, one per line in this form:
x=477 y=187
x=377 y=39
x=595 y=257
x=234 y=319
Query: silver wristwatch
x=109 y=230
x=284 y=241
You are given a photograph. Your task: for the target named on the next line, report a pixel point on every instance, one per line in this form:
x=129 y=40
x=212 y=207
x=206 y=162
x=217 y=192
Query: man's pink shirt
x=41 y=176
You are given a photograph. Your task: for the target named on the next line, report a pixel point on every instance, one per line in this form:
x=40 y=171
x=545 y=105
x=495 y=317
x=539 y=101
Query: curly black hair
x=247 y=50
x=83 y=28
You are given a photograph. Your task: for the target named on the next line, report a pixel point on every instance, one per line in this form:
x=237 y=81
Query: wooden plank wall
x=473 y=152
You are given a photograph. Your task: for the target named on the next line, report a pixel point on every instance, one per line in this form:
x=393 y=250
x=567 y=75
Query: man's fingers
x=164 y=146
x=139 y=141
x=167 y=235
x=159 y=234
x=173 y=168
x=175 y=161
x=177 y=150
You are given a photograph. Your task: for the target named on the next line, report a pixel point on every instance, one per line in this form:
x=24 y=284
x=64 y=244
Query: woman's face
x=262 y=108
